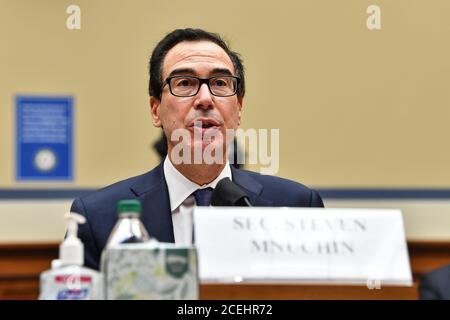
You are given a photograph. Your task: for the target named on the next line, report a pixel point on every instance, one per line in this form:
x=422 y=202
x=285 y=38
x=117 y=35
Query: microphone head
x=227 y=194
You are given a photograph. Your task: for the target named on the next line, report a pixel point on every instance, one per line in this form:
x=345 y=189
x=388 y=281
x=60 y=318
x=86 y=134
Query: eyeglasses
x=189 y=86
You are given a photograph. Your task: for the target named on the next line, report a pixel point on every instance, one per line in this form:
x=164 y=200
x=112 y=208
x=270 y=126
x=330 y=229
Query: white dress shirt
x=182 y=202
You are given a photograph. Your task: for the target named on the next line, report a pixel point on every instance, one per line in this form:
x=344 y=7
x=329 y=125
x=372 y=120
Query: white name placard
x=301 y=245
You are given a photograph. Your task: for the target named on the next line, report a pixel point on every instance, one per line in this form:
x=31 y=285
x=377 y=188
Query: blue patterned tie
x=203 y=197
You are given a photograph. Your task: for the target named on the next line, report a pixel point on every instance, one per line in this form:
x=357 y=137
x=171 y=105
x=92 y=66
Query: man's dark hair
x=172 y=39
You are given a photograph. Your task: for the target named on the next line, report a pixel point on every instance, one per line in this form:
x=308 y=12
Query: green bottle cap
x=129 y=206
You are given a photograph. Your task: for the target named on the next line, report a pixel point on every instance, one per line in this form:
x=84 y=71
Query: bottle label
x=70 y=285
x=146 y=271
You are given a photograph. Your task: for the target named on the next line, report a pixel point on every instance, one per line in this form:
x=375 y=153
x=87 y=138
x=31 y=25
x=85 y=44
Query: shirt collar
x=180 y=187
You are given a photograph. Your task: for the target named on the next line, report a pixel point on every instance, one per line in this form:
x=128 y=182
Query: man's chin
x=211 y=152
x=199 y=151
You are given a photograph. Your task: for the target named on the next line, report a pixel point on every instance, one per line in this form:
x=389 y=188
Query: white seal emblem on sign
x=45 y=160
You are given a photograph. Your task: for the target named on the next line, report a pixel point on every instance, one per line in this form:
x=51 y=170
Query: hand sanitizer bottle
x=68 y=279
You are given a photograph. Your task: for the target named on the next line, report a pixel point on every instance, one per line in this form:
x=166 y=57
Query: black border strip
x=326 y=193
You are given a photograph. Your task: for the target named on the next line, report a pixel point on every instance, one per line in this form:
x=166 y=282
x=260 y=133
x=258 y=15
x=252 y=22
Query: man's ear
x=155 y=103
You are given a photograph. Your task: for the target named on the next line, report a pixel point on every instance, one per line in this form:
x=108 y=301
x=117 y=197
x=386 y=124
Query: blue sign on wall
x=44 y=149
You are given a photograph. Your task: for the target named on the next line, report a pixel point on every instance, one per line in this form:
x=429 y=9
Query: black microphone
x=229 y=194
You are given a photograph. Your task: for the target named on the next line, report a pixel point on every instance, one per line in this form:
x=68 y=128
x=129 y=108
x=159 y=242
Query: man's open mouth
x=204 y=124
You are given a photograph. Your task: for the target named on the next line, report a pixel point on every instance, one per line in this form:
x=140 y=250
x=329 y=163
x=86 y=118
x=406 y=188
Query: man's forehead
x=196 y=54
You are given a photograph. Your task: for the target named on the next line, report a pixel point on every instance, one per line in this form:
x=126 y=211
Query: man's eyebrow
x=223 y=71
x=182 y=71
x=190 y=71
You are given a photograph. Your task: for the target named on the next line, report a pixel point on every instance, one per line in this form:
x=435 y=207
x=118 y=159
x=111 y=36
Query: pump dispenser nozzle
x=71 y=250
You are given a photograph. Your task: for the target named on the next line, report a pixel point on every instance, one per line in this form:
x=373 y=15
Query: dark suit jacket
x=435 y=285
x=99 y=208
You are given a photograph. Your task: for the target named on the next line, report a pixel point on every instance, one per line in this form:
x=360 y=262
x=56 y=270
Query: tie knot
x=203 y=197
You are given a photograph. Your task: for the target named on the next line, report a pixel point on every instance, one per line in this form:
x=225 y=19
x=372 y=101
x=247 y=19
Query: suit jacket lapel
x=151 y=189
x=252 y=187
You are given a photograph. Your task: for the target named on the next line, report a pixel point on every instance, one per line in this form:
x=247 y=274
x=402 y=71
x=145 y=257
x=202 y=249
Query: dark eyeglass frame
x=202 y=81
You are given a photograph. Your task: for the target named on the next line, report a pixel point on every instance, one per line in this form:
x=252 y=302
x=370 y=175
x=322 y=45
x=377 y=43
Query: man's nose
x=204 y=97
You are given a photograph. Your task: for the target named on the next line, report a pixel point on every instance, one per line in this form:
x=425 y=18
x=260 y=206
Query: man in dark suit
x=196 y=91
x=435 y=285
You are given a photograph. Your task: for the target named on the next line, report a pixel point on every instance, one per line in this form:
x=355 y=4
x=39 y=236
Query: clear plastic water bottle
x=129 y=228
